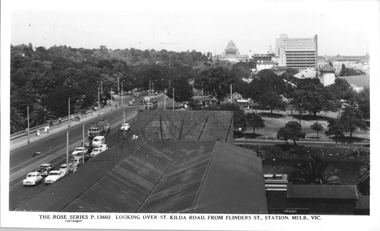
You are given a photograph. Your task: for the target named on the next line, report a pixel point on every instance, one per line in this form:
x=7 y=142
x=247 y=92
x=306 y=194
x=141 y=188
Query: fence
x=41 y=126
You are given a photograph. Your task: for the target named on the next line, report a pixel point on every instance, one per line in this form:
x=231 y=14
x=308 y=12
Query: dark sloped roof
x=234 y=183
x=327 y=68
x=185 y=125
x=125 y=187
x=322 y=191
x=363 y=202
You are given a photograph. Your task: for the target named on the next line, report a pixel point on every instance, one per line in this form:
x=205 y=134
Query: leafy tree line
x=45 y=80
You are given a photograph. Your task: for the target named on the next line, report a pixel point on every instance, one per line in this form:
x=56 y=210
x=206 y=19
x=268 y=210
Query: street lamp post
x=69 y=113
x=173 y=98
x=28 y=123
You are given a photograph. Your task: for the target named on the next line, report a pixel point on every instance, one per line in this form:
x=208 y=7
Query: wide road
x=53 y=150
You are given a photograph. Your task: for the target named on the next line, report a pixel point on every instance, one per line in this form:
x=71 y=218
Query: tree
x=337 y=91
x=215 y=81
x=265 y=81
x=314 y=171
x=292 y=130
x=313 y=98
x=364 y=180
x=17 y=120
x=363 y=99
x=352 y=119
x=316 y=127
x=183 y=91
x=255 y=121
x=335 y=128
x=272 y=101
x=40 y=115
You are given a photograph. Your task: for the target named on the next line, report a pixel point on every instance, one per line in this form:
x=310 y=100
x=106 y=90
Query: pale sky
x=343 y=27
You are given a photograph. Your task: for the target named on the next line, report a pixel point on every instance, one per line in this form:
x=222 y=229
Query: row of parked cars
x=45 y=170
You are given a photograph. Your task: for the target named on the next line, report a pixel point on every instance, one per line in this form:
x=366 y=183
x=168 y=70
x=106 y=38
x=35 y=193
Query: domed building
x=231 y=53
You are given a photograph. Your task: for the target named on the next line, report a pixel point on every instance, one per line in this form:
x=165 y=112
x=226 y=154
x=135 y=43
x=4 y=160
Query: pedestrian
x=59 y=120
x=38 y=132
x=75 y=168
x=46 y=129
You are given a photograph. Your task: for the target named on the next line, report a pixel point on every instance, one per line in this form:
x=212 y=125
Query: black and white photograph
x=190 y=115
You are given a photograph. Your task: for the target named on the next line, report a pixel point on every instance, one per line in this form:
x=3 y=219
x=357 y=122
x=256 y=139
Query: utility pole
x=67 y=151
x=123 y=122
x=83 y=143
x=69 y=113
x=118 y=85
x=165 y=99
x=173 y=98
x=27 y=110
x=231 y=92
x=121 y=95
x=98 y=102
x=149 y=86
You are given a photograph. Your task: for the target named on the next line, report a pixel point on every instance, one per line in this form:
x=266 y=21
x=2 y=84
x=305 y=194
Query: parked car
x=79 y=150
x=242 y=100
x=125 y=127
x=97 y=151
x=78 y=160
x=130 y=103
x=98 y=140
x=54 y=176
x=45 y=168
x=63 y=169
x=32 y=178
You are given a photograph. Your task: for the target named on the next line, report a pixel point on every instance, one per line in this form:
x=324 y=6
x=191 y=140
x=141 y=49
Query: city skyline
x=252 y=25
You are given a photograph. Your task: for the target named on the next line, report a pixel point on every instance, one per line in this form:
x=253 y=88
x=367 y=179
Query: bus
x=151 y=105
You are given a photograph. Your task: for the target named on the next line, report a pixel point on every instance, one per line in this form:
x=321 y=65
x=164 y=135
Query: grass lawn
x=278 y=119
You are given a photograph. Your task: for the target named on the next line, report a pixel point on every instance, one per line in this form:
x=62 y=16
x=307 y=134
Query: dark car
x=44 y=169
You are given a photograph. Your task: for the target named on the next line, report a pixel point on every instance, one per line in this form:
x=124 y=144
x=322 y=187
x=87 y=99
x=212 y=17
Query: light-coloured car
x=242 y=100
x=63 y=168
x=53 y=176
x=79 y=150
x=125 y=127
x=32 y=178
x=98 y=141
x=97 y=151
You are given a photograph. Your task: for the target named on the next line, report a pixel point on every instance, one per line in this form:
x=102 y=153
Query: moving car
x=125 y=127
x=32 y=178
x=54 y=176
x=45 y=168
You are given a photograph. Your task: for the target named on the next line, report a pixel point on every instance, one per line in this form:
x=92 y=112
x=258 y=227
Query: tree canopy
x=291 y=131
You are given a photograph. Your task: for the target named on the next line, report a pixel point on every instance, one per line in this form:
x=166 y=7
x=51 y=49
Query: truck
x=100 y=128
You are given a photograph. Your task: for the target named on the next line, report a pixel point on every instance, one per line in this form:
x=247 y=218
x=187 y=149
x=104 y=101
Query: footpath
x=24 y=140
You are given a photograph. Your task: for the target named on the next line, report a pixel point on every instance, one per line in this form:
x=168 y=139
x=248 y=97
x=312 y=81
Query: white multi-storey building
x=297 y=53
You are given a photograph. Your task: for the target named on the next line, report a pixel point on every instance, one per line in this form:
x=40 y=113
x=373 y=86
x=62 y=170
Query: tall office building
x=297 y=53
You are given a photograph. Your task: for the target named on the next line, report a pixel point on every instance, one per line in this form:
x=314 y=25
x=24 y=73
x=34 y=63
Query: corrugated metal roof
x=234 y=183
x=322 y=191
x=185 y=125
